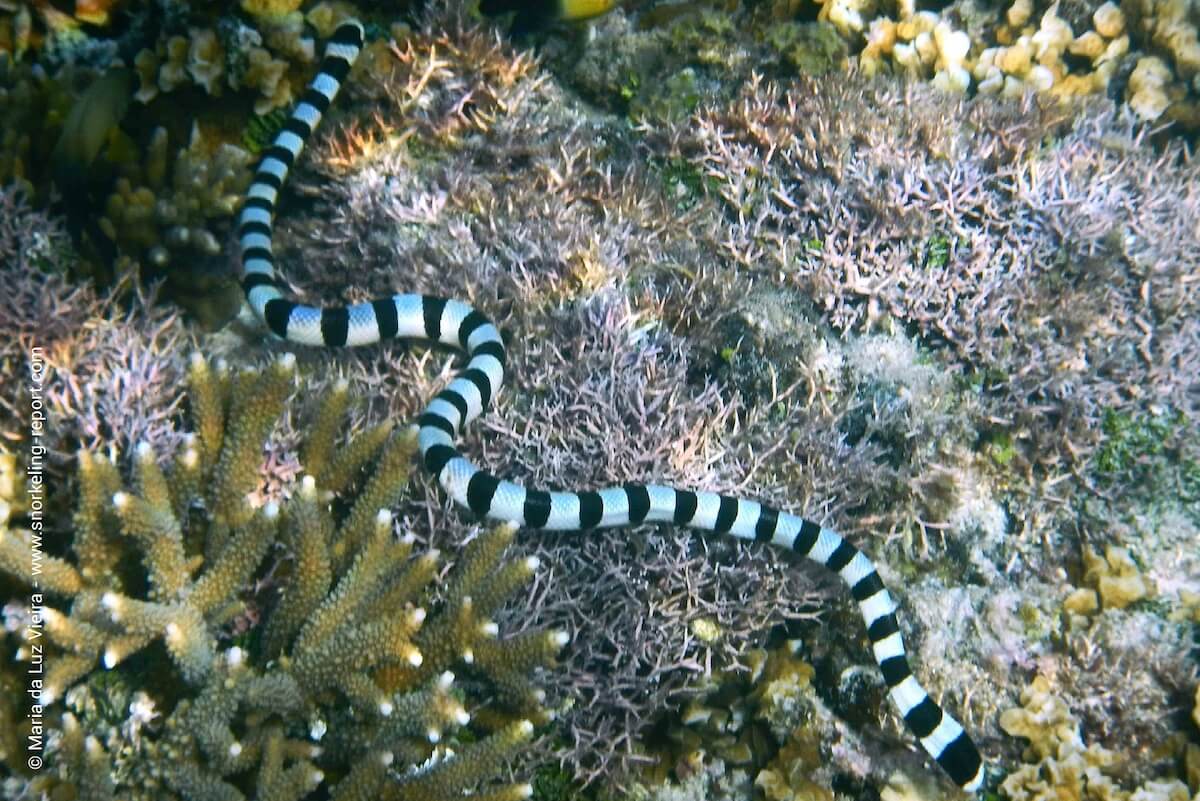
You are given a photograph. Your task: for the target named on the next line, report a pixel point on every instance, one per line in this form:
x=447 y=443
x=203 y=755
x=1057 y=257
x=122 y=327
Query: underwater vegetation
x=209 y=637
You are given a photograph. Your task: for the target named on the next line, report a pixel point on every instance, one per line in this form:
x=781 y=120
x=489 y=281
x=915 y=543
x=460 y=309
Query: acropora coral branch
x=340 y=683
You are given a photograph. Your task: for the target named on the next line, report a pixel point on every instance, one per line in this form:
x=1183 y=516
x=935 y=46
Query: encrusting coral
x=344 y=682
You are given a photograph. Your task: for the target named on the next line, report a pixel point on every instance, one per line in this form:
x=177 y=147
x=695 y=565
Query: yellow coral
x=1116 y=577
x=1109 y=20
x=206 y=60
x=173 y=73
x=1019 y=13
x=1196 y=708
x=1059 y=767
x=270 y=8
x=266 y=74
x=1082 y=601
x=786 y=778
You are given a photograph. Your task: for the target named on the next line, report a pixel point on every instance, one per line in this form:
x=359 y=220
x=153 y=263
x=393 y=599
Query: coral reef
x=961 y=329
x=850 y=264
x=1143 y=52
x=329 y=668
x=765 y=722
x=946 y=247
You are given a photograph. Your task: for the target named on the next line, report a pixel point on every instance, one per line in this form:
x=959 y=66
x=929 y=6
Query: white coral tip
x=532 y=563
x=120 y=499
x=235 y=657
x=433 y=735
x=112 y=602
x=383 y=517
x=387 y=758
x=271 y=510
x=111 y=658
x=316 y=730
x=560 y=638
x=525 y=790
x=235 y=750
x=489 y=629
x=144 y=451
x=417 y=616
x=461 y=717
x=525 y=728
x=445 y=680
x=386 y=708
x=415 y=659
x=287 y=361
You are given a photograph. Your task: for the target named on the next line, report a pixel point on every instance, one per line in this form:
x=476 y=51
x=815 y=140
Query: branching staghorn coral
x=346 y=683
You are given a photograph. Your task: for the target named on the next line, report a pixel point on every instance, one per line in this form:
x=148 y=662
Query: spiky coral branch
x=349 y=618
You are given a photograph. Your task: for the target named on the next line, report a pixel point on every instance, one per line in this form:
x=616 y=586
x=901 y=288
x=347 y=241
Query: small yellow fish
x=532 y=15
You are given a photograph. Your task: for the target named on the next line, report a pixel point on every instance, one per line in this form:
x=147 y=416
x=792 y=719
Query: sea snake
x=457 y=325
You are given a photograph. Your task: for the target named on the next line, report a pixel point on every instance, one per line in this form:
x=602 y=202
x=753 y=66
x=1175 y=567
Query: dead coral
x=111 y=373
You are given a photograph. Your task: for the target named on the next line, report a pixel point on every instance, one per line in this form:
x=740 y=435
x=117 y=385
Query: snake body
x=457 y=325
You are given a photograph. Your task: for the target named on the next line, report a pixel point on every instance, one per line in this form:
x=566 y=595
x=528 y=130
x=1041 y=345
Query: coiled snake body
x=455 y=324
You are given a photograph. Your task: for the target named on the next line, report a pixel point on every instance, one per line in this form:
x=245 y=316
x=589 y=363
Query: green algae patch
x=813 y=48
